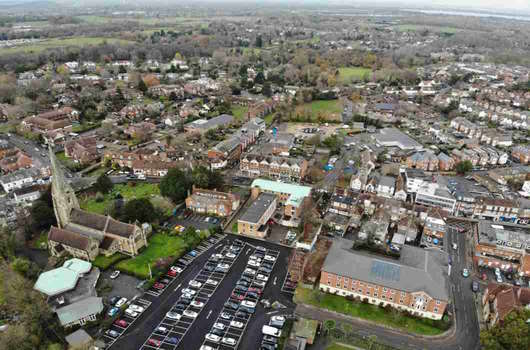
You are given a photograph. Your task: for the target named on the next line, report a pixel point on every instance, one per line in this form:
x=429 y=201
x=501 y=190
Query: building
x=60 y=119
x=81 y=312
x=290 y=196
x=496 y=209
x=414 y=179
x=425 y=160
x=501 y=245
x=435 y=195
x=416 y=283
x=434 y=224
x=521 y=154
x=386 y=186
x=212 y=202
x=282 y=168
x=499 y=300
x=27 y=195
x=203 y=125
x=19 y=179
x=226 y=152
x=14 y=161
x=391 y=137
x=82 y=234
x=152 y=168
x=254 y=220
x=83 y=150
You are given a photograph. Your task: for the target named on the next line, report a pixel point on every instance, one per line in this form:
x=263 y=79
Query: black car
x=231 y=305
x=242 y=314
x=239 y=242
x=217 y=332
x=252 y=295
x=184 y=300
x=246 y=279
x=270 y=339
x=242 y=289
x=181 y=307
x=208 y=268
x=267 y=264
x=114 y=299
x=266 y=346
x=242 y=283
x=183 y=261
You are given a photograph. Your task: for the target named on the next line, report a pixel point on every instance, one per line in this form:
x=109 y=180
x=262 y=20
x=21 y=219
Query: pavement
x=137 y=334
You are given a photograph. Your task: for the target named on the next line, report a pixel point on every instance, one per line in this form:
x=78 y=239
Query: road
x=463 y=336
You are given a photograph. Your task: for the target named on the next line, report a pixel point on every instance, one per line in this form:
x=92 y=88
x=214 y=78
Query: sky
x=478 y=4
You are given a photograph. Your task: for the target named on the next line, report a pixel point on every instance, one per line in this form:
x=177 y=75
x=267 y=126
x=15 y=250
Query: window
x=391 y=298
x=402 y=294
x=435 y=309
x=360 y=290
x=329 y=280
x=375 y=294
x=383 y=296
x=401 y=301
x=437 y=302
x=384 y=289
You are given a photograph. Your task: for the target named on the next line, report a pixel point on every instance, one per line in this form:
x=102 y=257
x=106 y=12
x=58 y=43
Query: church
x=85 y=235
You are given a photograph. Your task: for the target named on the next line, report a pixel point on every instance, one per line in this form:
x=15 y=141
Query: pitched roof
x=416 y=270
x=81 y=309
x=68 y=238
x=101 y=223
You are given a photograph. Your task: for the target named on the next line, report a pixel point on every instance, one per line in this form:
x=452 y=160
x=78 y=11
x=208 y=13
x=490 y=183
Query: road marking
x=248 y=251
x=178 y=287
x=274 y=282
x=209 y=313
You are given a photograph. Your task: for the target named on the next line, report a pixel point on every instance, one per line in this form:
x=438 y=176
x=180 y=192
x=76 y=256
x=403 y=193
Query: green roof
x=56 y=281
x=297 y=192
x=78 y=265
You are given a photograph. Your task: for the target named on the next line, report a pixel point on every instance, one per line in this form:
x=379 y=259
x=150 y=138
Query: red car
x=237 y=296
x=172 y=273
x=154 y=342
x=121 y=323
x=159 y=285
x=254 y=290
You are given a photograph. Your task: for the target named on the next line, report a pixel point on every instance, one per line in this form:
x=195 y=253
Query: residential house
x=212 y=202
x=82 y=150
x=400 y=192
x=521 y=154
x=445 y=163
x=80 y=312
x=19 y=179
x=499 y=300
x=408 y=227
x=426 y=160
x=153 y=168
x=60 y=119
x=416 y=283
x=375 y=230
x=496 y=209
x=27 y=195
x=226 y=152
x=283 y=168
x=15 y=160
x=386 y=186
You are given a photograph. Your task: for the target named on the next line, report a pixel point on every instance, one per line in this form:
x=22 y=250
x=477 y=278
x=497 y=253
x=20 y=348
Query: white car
x=161 y=330
x=262 y=278
x=136 y=308
x=213 y=338
x=230 y=255
x=247 y=303
x=212 y=282
x=255 y=257
x=206 y=347
x=220 y=326
x=131 y=313
x=173 y=315
x=260 y=284
x=254 y=263
x=223 y=266
x=188 y=291
x=218 y=256
x=190 y=314
x=195 y=284
x=249 y=272
x=197 y=304
x=228 y=341
x=114 y=275
x=121 y=302
x=176 y=269
x=236 y=324
x=269 y=258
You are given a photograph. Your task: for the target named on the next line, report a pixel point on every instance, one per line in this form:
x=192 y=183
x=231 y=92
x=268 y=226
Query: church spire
x=63 y=196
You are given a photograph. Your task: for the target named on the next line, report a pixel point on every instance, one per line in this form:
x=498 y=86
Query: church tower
x=63 y=196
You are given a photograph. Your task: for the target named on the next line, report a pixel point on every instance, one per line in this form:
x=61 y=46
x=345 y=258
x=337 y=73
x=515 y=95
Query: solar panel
x=385 y=271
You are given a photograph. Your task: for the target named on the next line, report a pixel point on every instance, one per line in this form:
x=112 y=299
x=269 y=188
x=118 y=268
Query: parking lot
x=182 y=314
x=197 y=221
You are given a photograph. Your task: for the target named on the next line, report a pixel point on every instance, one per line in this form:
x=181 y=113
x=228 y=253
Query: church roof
x=119 y=228
x=102 y=223
x=68 y=238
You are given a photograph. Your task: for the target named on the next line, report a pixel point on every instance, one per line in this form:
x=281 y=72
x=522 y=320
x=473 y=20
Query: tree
x=169 y=140
x=142 y=86
x=267 y=91
x=175 y=185
x=140 y=209
x=42 y=216
x=260 y=78
x=464 y=167
x=511 y=334
x=259 y=41
x=103 y=184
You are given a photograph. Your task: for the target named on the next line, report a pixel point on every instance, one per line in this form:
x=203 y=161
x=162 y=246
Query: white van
x=268 y=330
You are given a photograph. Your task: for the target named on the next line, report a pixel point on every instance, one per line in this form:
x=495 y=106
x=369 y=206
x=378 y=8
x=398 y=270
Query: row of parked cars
x=272 y=332
x=132 y=311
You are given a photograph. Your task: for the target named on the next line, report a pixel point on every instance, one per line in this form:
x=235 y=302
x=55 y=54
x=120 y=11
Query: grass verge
x=104 y=262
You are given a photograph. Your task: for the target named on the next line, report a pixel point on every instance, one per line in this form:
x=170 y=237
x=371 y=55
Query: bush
x=329 y=324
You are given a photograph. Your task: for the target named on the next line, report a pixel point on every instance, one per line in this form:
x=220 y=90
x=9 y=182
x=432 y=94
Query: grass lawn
x=160 y=246
x=349 y=74
x=234 y=227
x=336 y=346
x=367 y=311
x=104 y=262
x=140 y=190
x=240 y=112
x=57 y=42
x=41 y=242
x=268 y=118
x=325 y=109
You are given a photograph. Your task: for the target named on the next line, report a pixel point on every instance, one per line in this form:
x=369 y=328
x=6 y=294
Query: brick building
x=212 y=202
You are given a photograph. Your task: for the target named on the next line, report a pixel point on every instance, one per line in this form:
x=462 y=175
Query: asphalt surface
x=136 y=335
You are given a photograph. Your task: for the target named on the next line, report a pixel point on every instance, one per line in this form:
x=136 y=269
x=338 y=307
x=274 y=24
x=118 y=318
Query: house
x=82 y=150
x=254 y=220
x=283 y=168
x=212 y=202
x=499 y=300
x=14 y=161
x=496 y=209
x=521 y=154
x=60 y=119
x=400 y=192
x=226 y=152
x=290 y=196
x=78 y=339
x=19 y=179
x=386 y=186
x=416 y=283
x=83 y=234
x=341 y=204
x=434 y=224
x=27 y=195
x=414 y=179
x=375 y=230
x=80 y=312
x=407 y=226
x=152 y=168
x=425 y=160
x=140 y=130
x=445 y=163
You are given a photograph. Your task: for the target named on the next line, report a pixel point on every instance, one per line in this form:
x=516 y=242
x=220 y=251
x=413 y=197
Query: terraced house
x=212 y=202
x=415 y=283
x=284 y=168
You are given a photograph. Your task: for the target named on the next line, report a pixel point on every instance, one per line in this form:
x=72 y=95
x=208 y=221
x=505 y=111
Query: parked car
x=474 y=286
x=114 y=274
x=131 y=313
x=159 y=286
x=197 y=304
x=211 y=282
x=172 y=340
x=113 y=311
x=121 y=323
x=172 y=273
x=213 y=338
x=226 y=316
x=161 y=330
x=269 y=258
x=188 y=291
x=121 y=302
x=231 y=305
x=262 y=277
x=173 y=315
x=114 y=300
x=136 y=308
x=176 y=269
x=236 y=324
x=228 y=341
x=195 y=284
x=154 y=342
x=190 y=314
x=112 y=333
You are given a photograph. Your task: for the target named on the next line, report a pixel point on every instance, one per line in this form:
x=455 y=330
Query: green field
x=328 y=110
x=336 y=346
x=57 y=43
x=140 y=190
x=367 y=311
x=160 y=246
x=349 y=74
x=240 y=112
x=417 y=27
x=104 y=262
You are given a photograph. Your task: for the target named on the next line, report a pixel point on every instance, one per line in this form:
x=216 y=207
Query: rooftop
x=62 y=279
x=297 y=192
x=504 y=235
x=79 y=310
x=391 y=137
x=256 y=210
x=416 y=270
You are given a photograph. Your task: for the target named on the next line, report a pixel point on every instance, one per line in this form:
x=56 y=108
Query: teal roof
x=78 y=265
x=56 y=281
x=296 y=192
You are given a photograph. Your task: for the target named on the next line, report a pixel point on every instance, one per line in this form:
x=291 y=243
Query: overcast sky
x=479 y=4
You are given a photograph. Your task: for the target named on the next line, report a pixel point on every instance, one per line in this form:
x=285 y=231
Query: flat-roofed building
x=254 y=220
x=291 y=196
x=435 y=195
x=416 y=283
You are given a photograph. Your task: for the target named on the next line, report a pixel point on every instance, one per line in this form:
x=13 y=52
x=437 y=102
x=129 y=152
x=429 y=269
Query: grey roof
x=81 y=309
x=19 y=175
x=389 y=137
x=258 y=208
x=387 y=181
x=223 y=119
x=78 y=338
x=416 y=270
